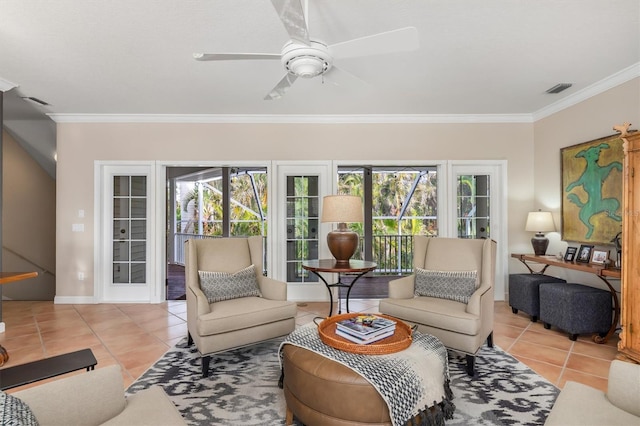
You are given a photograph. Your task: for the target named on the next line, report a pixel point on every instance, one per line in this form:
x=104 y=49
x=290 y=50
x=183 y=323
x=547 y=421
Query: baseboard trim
x=73 y=300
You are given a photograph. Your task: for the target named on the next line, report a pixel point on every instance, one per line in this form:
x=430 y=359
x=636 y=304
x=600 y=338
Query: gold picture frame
x=592 y=190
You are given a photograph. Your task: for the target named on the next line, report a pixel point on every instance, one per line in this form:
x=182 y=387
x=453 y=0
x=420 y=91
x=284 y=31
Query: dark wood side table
x=358 y=267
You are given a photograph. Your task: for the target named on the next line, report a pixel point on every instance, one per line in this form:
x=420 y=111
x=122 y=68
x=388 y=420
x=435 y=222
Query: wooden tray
x=400 y=340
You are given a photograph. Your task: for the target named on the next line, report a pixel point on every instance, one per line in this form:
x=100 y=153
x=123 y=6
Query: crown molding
x=292 y=119
x=6 y=85
x=601 y=86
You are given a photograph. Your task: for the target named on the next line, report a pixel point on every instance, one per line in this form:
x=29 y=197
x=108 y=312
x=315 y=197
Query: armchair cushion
x=452 y=285
x=219 y=286
x=14 y=411
x=242 y=314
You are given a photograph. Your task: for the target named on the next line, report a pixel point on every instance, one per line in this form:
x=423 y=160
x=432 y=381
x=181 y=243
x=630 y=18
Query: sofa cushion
x=151 y=407
x=452 y=285
x=624 y=386
x=219 y=286
x=579 y=404
x=88 y=398
x=14 y=411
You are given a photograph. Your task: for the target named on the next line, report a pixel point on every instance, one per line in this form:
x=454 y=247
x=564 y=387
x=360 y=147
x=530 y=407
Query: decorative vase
x=4 y=355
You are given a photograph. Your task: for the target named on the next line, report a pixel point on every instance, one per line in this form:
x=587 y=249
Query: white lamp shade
x=540 y=222
x=342 y=208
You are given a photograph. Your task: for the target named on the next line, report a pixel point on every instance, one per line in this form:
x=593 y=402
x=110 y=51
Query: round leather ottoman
x=319 y=391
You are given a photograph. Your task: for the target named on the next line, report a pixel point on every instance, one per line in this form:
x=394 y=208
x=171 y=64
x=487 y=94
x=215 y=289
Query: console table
x=358 y=267
x=600 y=271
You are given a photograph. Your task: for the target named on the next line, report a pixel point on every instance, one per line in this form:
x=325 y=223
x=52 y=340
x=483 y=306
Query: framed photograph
x=570 y=254
x=591 y=174
x=599 y=257
x=584 y=254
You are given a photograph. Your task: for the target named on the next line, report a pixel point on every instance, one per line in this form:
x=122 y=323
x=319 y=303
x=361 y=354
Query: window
x=399 y=202
x=216 y=202
x=201 y=201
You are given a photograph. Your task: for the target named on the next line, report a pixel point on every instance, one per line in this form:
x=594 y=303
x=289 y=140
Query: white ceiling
x=490 y=57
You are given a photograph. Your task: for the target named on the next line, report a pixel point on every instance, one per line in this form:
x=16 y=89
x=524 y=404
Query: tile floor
x=135 y=336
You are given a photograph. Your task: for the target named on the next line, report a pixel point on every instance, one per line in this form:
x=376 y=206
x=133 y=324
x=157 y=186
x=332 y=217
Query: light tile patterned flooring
x=135 y=336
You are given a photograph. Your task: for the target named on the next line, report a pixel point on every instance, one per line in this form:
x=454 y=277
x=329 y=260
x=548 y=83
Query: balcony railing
x=392 y=253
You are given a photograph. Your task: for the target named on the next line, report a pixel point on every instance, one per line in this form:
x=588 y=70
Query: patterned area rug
x=242 y=388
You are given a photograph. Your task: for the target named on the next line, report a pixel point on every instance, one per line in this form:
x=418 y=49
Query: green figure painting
x=592 y=190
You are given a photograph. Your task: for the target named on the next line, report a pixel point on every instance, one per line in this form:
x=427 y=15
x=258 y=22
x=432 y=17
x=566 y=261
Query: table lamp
x=342 y=209
x=540 y=222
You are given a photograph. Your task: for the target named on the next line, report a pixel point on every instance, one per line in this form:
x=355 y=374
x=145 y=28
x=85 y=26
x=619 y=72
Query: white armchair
x=463 y=327
x=238 y=320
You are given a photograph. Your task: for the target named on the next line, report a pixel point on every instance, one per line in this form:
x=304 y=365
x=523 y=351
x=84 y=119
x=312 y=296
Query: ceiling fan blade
x=342 y=78
x=281 y=88
x=234 y=56
x=292 y=16
x=400 y=40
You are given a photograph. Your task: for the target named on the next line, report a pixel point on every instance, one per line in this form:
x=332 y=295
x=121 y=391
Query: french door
x=125 y=271
x=477 y=206
x=298 y=234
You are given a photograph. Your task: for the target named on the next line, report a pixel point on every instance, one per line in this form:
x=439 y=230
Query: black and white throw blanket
x=414 y=382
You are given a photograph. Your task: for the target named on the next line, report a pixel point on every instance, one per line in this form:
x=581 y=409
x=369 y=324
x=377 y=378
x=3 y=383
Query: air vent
x=31 y=99
x=559 y=88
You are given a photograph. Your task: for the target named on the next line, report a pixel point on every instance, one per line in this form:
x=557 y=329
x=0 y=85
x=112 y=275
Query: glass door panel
x=129 y=259
x=473 y=206
x=302 y=225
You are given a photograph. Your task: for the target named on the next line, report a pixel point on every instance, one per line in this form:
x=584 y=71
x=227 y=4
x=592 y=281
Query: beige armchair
x=219 y=325
x=460 y=326
x=582 y=405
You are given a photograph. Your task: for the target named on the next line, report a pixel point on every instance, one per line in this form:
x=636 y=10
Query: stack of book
x=365 y=329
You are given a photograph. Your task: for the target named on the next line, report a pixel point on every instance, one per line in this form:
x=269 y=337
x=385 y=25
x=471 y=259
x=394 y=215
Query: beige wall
x=591 y=119
x=28 y=224
x=79 y=145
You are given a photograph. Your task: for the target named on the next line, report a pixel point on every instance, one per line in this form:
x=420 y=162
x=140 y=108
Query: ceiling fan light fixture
x=307 y=66
x=306 y=61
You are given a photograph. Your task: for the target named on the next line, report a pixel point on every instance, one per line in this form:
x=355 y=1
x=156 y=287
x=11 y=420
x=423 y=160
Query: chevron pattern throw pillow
x=219 y=286
x=452 y=285
x=15 y=412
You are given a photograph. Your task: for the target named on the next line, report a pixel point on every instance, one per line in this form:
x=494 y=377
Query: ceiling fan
x=305 y=57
